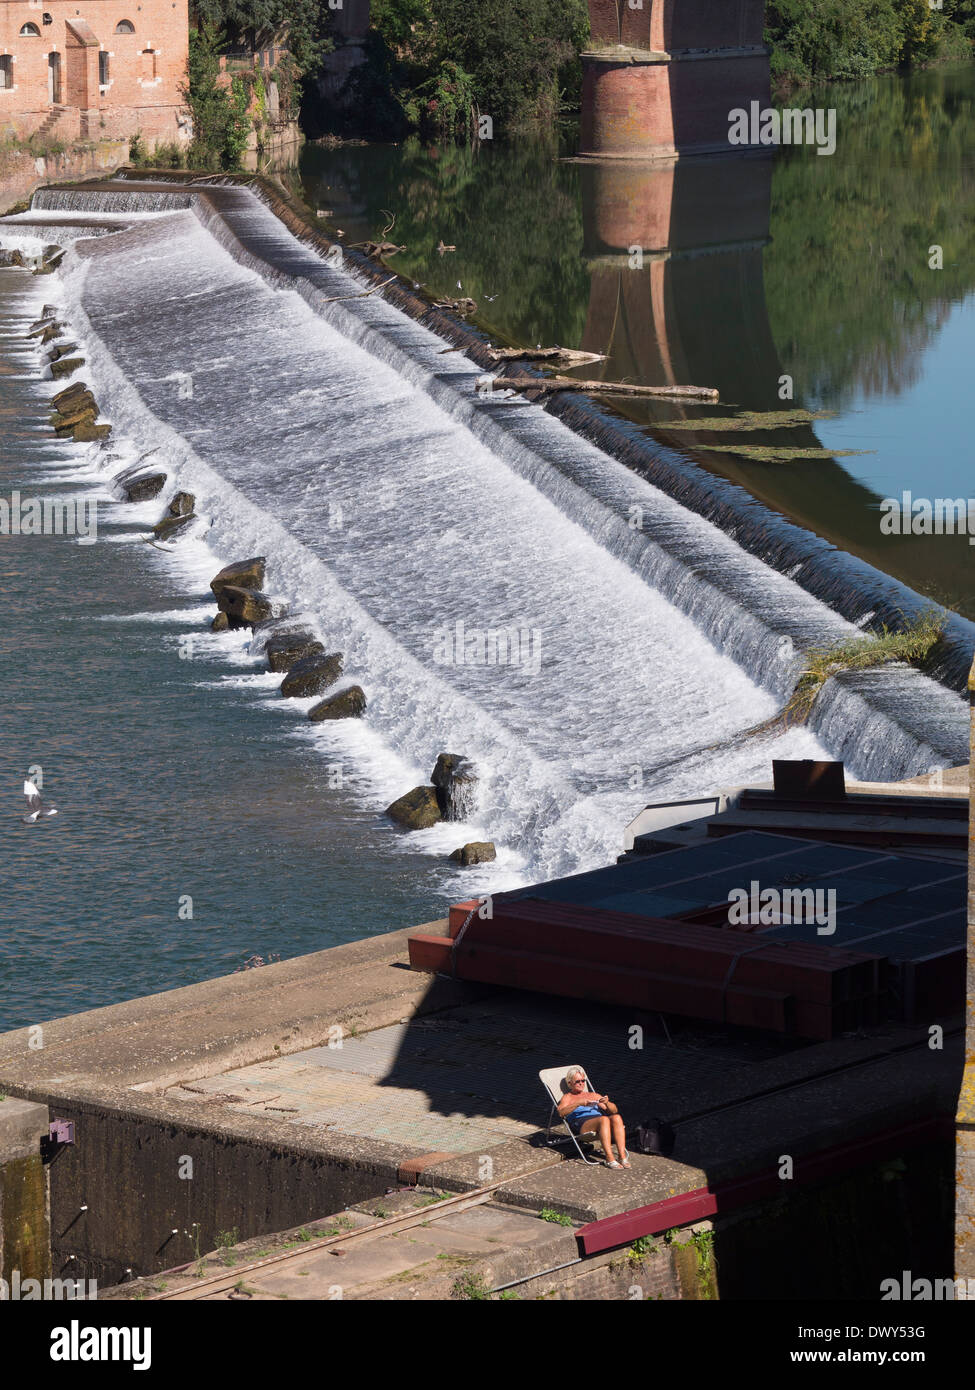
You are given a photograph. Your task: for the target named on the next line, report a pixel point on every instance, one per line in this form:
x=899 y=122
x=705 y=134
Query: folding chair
x=553 y=1079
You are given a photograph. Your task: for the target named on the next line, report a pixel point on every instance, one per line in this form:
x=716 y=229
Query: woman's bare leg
x=619 y=1135
x=602 y=1128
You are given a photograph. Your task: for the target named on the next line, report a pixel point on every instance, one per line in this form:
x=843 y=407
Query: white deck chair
x=552 y=1078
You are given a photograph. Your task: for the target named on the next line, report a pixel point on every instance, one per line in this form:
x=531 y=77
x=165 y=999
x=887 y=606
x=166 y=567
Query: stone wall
x=23 y=172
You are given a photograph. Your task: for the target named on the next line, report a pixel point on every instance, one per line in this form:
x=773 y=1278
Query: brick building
x=90 y=69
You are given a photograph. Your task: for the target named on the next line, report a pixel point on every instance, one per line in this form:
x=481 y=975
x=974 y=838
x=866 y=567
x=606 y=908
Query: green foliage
x=819 y=39
x=472 y=1288
x=441 y=60
x=642 y=1247
x=915 y=643
x=445 y=105
x=559 y=1218
x=220 y=121
x=302 y=24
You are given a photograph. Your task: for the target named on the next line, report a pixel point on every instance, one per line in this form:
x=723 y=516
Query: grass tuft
x=914 y=644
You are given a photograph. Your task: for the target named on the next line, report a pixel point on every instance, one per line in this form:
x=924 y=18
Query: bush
x=220 y=122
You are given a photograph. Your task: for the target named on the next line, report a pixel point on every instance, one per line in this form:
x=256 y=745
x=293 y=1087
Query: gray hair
x=572 y=1073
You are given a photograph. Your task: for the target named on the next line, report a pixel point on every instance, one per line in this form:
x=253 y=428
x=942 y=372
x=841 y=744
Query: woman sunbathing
x=586 y=1112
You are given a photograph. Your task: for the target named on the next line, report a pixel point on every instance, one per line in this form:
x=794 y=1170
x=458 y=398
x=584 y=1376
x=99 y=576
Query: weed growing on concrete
x=382 y=1212
x=226 y=1240
x=431 y=1197
x=508 y=1296
x=913 y=644
x=641 y=1248
x=558 y=1217
x=470 y=1287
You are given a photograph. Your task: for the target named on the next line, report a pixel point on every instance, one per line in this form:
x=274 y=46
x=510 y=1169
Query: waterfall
x=264 y=437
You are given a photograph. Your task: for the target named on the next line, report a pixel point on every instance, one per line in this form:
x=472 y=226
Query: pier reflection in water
x=754 y=268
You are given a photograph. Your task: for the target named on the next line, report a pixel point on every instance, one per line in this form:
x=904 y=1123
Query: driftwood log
x=548 y=385
x=558 y=356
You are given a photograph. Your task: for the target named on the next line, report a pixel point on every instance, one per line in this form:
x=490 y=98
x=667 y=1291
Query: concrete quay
x=226 y=1112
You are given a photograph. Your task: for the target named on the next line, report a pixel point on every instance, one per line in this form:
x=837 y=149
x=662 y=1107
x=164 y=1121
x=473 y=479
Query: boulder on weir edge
x=242 y=574
x=476 y=852
x=455 y=779
x=417 y=810
x=144 y=487
x=285 y=649
x=313 y=676
x=244 y=607
x=346 y=704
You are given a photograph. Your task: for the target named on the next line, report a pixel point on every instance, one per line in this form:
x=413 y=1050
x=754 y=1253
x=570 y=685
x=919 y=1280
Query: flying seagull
x=35 y=804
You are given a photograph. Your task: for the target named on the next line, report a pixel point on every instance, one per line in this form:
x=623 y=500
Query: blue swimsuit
x=577 y=1117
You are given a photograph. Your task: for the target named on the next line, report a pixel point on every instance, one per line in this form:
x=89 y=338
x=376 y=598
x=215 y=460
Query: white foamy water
x=390 y=513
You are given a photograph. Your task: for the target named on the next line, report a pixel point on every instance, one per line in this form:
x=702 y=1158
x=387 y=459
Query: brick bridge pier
x=661 y=76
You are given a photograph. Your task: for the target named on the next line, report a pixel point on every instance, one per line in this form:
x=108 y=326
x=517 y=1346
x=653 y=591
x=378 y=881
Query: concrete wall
x=141 y=1178
x=24 y=1213
x=145 y=68
x=23 y=172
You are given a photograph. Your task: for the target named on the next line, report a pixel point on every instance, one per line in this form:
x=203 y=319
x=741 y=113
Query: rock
x=347 y=704
x=244 y=607
x=87 y=433
x=69 y=394
x=64 y=366
x=61 y=351
x=288 y=648
x=8 y=258
x=313 y=675
x=172 y=526
x=417 y=810
x=477 y=852
x=48 y=310
x=182 y=504
x=176 y=517
x=49 y=334
x=242 y=574
x=84 y=414
x=221 y=623
x=142 y=489
x=455 y=779
x=275 y=627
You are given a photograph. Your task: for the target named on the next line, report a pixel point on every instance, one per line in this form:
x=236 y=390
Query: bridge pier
x=662 y=76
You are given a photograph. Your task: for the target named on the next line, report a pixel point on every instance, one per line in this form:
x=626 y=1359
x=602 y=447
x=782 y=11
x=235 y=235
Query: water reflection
x=753 y=269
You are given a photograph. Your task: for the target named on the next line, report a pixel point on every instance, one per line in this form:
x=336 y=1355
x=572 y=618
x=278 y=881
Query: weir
x=341 y=403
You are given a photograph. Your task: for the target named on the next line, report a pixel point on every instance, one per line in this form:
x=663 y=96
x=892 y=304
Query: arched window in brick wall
x=125 y=26
x=6 y=71
x=30 y=31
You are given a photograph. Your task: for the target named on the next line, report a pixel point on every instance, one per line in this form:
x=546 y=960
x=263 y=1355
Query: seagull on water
x=36 y=804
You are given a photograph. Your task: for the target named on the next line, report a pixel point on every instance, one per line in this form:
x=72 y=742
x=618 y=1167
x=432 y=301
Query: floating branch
x=549 y=385
x=335 y=298
x=559 y=356
x=375 y=250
